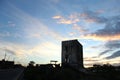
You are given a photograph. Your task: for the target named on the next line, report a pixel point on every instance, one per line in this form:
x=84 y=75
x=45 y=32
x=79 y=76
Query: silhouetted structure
x=53 y=61
x=72 y=54
x=72 y=67
x=6 y=64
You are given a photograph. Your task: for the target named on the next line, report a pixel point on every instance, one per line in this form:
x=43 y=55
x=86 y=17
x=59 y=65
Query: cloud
x=110 y=32
x=67 y=21
x=104 y=52
x=102 y=37
x=55 y=1
x=12 y=48
x=114 y=55
x=11 y=24
x=32 y=27
x=89 y=61
x=113 y=44
x=71 y=19
x=57 y=17
x=111 y=47
x=5 y=34
x=10 y=51
x=45 y=49
x=90 y=16
x=79 y=28
x=72 y=33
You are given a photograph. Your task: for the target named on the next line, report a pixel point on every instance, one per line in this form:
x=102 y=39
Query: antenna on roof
x=14 y=59
x=8 y=57
x=5 y=55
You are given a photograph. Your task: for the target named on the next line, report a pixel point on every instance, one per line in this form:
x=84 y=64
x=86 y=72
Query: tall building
x=72 y=53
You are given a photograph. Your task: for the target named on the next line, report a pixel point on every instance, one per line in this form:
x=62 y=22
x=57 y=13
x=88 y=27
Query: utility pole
x=5 y=55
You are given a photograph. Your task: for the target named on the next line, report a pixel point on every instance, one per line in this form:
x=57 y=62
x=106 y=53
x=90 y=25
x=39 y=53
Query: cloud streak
x=111 y=47
x=90 y=16
x=114 y=55
x=63 y=20
x=10 y=51
x=33 y=27
x=104 y=52
x=79 y=28
x=46 y=51
x=5 y=34
x=87 y=16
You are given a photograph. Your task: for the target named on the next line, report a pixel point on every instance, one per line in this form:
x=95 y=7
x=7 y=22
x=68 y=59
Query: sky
x=32 y=30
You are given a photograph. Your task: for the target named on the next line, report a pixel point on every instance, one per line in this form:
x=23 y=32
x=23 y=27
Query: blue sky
x=33 y=29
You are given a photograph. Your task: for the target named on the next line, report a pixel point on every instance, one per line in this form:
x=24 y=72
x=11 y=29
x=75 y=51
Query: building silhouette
x=6 y=64
x=72 y=54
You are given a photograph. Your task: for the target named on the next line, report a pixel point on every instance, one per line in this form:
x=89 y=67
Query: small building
x=72 y=54
x=6 y=64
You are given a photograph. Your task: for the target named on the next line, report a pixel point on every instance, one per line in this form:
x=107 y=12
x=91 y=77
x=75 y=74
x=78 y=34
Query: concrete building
x=72 y=53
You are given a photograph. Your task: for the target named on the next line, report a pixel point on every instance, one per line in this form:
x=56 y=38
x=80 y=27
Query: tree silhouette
x=31 y=63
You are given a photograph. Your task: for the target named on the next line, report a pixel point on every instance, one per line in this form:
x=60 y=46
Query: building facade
x=72 y=53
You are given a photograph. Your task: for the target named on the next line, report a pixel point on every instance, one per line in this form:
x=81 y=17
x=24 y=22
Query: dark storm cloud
x=114 y=55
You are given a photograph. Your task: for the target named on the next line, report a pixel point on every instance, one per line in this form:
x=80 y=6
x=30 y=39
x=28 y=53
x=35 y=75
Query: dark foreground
x=11 y=74
x=67 y=73
x=50 y=72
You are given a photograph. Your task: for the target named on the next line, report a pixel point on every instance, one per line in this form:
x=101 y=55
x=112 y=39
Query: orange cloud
x=89 y=61
x=102 y=37
x=78 y=28
x=70 y=20
x=57 y=17
x=67 y=21
x=72 y=33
